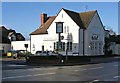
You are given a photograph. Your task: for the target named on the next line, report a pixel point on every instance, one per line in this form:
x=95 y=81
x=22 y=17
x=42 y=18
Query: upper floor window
x=64 y=29
x=62 y=15
x=67 y=29
x=69 y=46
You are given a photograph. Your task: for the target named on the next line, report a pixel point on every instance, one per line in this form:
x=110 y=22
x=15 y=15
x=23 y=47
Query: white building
x=5 y=45
x=115 y=44
x=20 y=45
x=83 y=33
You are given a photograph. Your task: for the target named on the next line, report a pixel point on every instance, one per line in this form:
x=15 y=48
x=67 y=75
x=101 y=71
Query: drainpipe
x=83 y=43
x=30 y=43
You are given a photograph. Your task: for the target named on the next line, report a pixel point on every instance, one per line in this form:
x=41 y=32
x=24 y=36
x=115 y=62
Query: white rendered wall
x=48 y=39
x=115 y=48
x=37 y=42
x=118 y=49
x=73 y=30
x=95 y=27
x=5 y=47
x=19 y=45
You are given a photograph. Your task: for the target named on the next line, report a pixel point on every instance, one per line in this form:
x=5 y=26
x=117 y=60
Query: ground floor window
x=96 y=48
x=33 y=47
x=69 y=46
x=59 y=46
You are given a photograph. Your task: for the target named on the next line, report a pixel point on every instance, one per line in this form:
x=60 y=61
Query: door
x=42 y=47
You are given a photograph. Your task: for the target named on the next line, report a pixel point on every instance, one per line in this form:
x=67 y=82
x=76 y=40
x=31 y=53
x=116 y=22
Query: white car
x=75 y=54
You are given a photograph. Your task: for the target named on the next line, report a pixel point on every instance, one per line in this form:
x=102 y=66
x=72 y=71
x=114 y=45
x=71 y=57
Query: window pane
x=64 y=29
x=68 y=29
x=54 y=46
x=70 y=46
x=67 y=45
x=63 y=46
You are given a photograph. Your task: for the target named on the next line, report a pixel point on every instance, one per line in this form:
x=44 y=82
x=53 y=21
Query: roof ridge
x=69 y=10
x=89 y=11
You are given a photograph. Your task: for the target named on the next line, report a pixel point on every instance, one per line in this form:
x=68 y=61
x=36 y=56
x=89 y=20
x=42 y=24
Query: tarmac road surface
x=90 y=72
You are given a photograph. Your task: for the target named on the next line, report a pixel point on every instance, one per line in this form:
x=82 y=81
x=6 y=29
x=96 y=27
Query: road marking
x=95 y=68
x=47 y=68
x=116 y=77
x=115 y=65
x=45 y=74
x=29 y=75
x=81 y=70
x=94 y=81
x=32 y=69
x=89 y=69
x=117 y=57
x=16 y=65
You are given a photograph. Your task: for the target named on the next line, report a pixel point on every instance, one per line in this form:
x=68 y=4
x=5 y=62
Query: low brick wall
x=56 y=59
x=68 y=59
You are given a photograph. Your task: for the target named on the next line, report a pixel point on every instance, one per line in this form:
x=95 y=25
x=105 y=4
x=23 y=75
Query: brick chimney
x=43 y=18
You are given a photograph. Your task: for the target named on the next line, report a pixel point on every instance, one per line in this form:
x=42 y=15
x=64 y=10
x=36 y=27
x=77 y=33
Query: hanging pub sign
x=59 y=27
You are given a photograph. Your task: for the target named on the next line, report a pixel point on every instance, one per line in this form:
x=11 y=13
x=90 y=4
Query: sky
x=24 y=17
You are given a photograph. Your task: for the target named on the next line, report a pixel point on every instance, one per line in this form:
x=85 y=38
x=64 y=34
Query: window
x=64 y=29
x=62 y=15
x=33 y=47
x=67 y=29
x=63 y=46
x=54 y=46
x=69 y=46
x=99 y=48
x=59 y=46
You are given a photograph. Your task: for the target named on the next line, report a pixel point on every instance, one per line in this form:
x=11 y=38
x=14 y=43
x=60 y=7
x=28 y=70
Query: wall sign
x=94 y=37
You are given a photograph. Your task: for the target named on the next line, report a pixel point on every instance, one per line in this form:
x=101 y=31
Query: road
x=13 y=71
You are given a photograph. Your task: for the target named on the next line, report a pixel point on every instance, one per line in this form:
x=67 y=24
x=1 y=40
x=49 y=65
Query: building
x=6 y=37
x=13 y=36
x=113 y=44
x=20 y=45
x=5 y=43
x=83 y=33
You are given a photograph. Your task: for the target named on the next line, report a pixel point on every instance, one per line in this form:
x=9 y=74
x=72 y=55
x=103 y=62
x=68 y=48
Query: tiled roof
x=81 y=19
x=43 y=29
x=4 y=40
x=86 y=17
x=19 y=37
x=75 y=16
x=6 y=33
